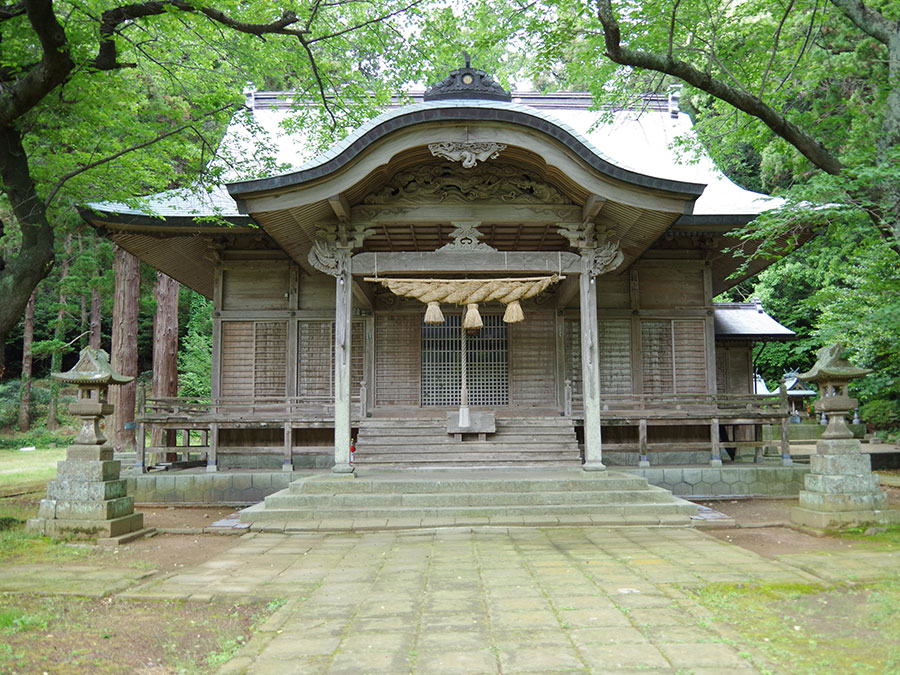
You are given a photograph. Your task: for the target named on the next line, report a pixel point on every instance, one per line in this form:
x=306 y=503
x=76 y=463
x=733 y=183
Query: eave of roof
x=343 y=152
x=747 y=321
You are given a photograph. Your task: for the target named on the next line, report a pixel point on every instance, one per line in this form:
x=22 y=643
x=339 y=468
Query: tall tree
x=27 y=361
x=107 y=100
x=164 y=380
x=123 y=358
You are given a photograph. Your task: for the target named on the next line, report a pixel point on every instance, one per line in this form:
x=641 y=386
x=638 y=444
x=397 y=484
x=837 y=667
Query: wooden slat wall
x=250 y=289
x=270 y=362
x=237 y=364
x=733 y=368
x=398 y=356
x=357 y=355
x=615 y=357
x=721 y=371
x=690 y=357
x=664 y=285
x=532 y=361
x=656 y=357
x=315 y=354
x=573 y=361
x=315 y=358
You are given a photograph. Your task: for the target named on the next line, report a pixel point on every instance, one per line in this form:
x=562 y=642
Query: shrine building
x=474 y=279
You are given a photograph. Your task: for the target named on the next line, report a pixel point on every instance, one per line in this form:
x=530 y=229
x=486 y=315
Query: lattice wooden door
x=487 y=357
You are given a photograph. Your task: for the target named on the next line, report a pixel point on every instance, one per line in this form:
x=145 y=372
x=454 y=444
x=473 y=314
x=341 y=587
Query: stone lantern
x=841 y=489
x=88 y=497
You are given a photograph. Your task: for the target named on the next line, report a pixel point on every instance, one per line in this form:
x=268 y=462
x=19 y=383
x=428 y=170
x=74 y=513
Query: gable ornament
x=467 y=153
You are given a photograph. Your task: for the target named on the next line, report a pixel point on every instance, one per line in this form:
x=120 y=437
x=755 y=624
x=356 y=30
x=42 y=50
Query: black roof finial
x=467 y=83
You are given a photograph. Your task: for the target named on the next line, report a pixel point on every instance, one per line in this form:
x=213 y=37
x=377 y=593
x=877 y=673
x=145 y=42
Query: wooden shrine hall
x=471 y=281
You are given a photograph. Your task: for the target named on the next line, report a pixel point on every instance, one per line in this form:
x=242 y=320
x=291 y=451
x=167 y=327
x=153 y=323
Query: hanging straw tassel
x=472 y=321
x=434 y=315
x=513 y=313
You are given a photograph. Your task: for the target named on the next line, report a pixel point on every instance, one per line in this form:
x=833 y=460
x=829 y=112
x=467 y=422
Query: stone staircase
x=395 y=499
x=423 y=442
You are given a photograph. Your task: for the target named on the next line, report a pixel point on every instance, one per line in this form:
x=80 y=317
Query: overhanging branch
x=138 y=146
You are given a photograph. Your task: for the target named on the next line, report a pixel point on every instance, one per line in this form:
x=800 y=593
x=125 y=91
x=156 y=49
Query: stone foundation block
x=834 y=519
x=857 y=464
x=94 y=491
x=71 y=510
x=843 y=502
x=838 y=446
x=97 y=453
x=867 y=484
x=104 y=528
x=88 y=470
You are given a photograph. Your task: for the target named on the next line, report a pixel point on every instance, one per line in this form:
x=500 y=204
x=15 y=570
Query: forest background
x=107 y=102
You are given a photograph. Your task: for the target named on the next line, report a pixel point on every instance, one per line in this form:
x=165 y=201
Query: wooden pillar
x=590 y=371
x=343 y=305
x=644 y=460
x=716 y=453
x=211 y=459
x=288 y=464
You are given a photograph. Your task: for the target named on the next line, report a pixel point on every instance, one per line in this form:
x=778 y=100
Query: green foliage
x=881 y=413
x=195 y=355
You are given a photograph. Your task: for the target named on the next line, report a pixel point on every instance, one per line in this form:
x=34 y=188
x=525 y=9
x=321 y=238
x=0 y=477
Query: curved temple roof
x=628 y=155
x=458 y=110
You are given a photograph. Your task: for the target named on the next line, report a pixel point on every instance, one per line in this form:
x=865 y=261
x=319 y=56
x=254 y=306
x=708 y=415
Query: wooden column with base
x=343 y=307
x=590 y=374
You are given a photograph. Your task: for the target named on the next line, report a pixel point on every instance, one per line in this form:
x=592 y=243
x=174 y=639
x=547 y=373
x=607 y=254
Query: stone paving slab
x=493 y=599
x=80 y=580
x=842 y=567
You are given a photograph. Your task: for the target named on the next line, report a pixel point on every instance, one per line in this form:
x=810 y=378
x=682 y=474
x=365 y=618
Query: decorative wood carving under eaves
x=442 y=183
x=467 y=153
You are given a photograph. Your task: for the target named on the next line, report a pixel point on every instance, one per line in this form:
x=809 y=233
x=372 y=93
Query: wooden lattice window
x=487 y=356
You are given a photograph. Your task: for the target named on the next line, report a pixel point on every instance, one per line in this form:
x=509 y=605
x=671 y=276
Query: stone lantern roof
x=92 y=369
x=829 y=366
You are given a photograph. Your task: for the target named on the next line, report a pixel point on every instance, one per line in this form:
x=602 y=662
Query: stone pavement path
x=582 y=600
x=81 y=580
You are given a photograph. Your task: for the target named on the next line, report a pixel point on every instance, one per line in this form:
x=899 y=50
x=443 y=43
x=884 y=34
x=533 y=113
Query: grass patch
x=100 y=636
x=808 y=629
x=887 y=535
x=23 y=470
x=18 y=546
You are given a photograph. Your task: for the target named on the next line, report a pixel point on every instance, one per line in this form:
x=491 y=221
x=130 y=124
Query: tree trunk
x=25 y=392
x=124 y=348
x=83 y=329
x=96 y=320
x=59 y=335
x=20 y=274
x=164 y=380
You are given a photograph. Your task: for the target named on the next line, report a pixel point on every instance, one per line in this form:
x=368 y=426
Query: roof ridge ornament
x=467 y=83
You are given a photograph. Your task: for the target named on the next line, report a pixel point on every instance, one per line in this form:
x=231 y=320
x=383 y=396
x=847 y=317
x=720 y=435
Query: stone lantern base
x=841 y=490
x=88 y=498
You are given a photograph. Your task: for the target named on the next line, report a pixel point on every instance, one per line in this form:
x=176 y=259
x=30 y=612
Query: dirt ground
x=761 y=527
